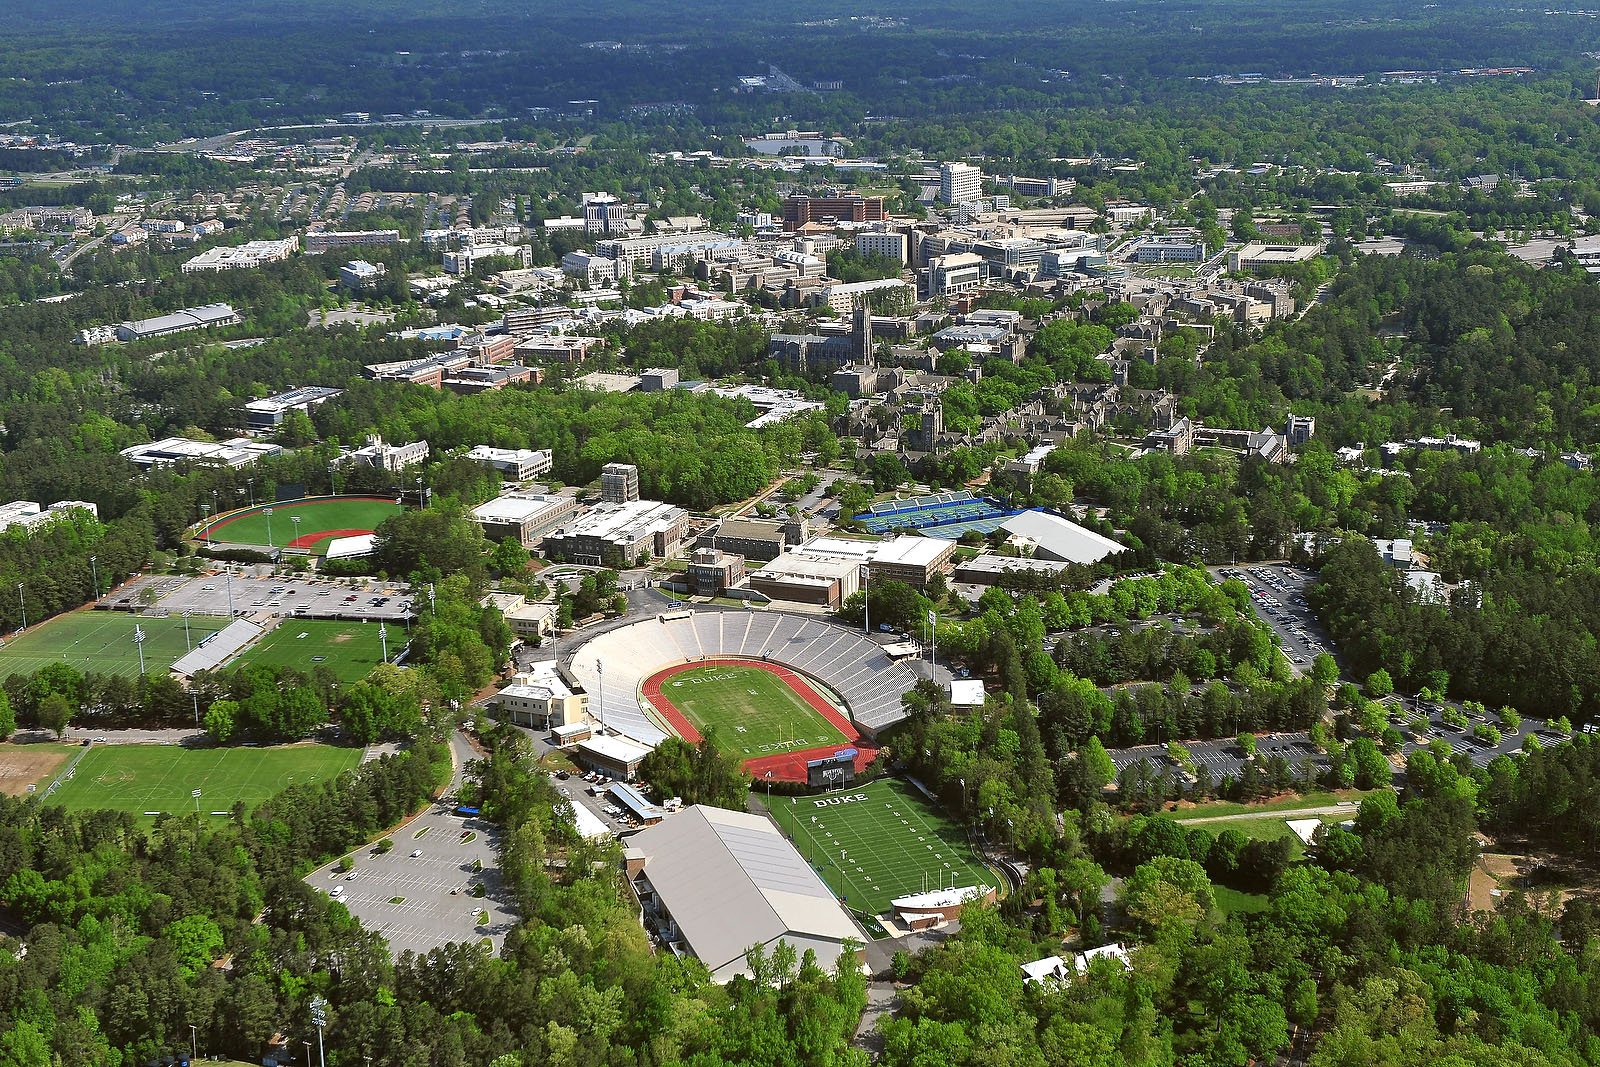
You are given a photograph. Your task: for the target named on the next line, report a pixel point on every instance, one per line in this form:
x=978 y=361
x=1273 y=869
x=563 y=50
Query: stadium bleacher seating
x=615 y=664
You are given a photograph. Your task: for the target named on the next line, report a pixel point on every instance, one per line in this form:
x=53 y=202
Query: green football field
x=146 y=778
x=102 y=641
x=320 y=521
x=880 y=841
x=348 y=649
x=752 y=711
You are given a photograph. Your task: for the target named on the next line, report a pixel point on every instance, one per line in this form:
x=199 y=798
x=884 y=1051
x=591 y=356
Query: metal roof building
x=1061 y=539
x=716 y=882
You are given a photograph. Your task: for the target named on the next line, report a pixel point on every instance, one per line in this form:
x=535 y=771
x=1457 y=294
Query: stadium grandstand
x=946 y=515
x=844 y=661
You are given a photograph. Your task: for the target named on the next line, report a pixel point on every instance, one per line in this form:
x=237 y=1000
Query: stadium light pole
x=23 y=601
x=194 y=695
x=383 y=635
x=138 y=642
x=250 y=484
x=933 y=639
x=204 y=515
x=268 y=512
x=600 y=693
x=319 y=1016
x=187 y=644
x=296 y=520
x=227 y=580
x=95 y=570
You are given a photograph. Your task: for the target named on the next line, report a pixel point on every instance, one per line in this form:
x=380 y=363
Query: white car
x=338 y=891
x=416 y=853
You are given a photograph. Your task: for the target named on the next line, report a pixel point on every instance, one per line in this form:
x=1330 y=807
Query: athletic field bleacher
x=615 y=664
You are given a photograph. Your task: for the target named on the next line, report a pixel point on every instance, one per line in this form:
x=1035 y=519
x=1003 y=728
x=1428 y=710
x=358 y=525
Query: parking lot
x=1278 y=591
x=312 y=598
x=407 y=897
x=1223 y=756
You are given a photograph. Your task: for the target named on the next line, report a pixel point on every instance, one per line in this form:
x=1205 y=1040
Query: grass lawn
x=1220 y=808
x=348 y=649
x=1233 y=902
x=887 y=845
x=146 y=778
x=102 y=641
x=320 y=520
x=25 y=765
x=752 y=711
x=1271 y=828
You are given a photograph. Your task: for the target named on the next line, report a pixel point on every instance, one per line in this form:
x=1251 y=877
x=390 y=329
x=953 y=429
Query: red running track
x=784 y=766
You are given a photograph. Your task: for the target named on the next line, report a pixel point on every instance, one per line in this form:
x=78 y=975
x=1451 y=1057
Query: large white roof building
x=717 y=882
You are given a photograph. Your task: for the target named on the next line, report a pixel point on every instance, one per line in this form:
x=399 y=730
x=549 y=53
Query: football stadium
x=782 y=691
x=321 y=520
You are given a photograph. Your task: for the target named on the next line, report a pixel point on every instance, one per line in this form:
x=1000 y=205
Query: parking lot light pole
x=227 y=580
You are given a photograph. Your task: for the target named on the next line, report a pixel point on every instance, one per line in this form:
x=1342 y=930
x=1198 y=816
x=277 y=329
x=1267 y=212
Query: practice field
x=102 y=641
x=146 y=778
x=876 y=842
x=25 y=765
x=348 y=649
x=321 y=520
x=755 y=710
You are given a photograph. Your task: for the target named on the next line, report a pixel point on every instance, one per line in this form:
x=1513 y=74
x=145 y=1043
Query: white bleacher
x=843 y=660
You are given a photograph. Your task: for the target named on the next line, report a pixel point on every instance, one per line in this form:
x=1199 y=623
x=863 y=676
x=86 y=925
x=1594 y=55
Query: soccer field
x=146 y=778
x=880 y=841
x=321 y=519
x=102 y=641
x=348 y=649
x=753 y=711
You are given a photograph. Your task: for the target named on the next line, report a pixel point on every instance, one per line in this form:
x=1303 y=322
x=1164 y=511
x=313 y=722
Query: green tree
x=1379 y=684
x=54 y=712
x=8 y=718
x=222 y=719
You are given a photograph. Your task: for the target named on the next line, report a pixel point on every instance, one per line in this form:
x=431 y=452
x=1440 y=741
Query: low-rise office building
x=617 y=535
x=514 y=464
x=268 y=412
x=523 y=516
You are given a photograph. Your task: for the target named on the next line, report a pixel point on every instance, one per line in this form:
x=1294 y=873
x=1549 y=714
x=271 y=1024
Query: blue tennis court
x=946 y=515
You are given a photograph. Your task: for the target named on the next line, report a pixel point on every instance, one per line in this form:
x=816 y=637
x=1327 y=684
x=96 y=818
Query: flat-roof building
x=615 y=757
x=800 y=578
x=619 y=483
x=718 y=883
x=176 y=322
x=911 y=559
x=238 y=452
x=515 y=464
x=523 y=516
x=268 y=412
x=247 y=256
x=616 y=535
x=27 y=514
x=328 y=240
x=1259 y=256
